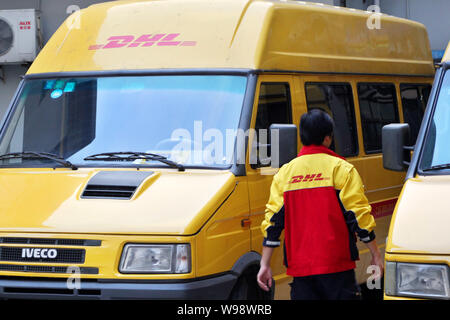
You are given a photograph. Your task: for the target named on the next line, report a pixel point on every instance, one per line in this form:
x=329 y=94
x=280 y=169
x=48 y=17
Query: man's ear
x=327 y=141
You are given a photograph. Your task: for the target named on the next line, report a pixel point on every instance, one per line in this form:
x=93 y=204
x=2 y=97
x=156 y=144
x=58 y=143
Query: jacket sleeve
x=273 y=224
x=356 y=207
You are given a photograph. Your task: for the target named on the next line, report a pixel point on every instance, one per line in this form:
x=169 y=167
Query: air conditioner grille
x=6 y=37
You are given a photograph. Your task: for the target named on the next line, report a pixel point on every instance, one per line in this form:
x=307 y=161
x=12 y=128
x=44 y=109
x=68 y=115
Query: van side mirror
x=283 y=139
x=396 y=154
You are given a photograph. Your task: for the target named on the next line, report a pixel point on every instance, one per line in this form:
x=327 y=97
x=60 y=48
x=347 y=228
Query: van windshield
x=188 y=119
x=436 y=153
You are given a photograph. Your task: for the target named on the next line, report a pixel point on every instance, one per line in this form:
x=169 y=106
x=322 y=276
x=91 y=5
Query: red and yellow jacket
x=318 y=199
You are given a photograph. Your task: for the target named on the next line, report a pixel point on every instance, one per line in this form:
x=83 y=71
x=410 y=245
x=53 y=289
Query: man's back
x=319 y=194
x=320 y=199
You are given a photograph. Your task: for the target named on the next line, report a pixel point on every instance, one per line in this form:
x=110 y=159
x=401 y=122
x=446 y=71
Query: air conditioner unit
x=19 y=32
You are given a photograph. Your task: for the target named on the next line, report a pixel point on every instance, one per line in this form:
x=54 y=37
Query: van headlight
x=417 y=280
x=156 y=258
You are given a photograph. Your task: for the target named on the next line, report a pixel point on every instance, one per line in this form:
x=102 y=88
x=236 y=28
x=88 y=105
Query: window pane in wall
x=337 y=101
x=378 y=107
x=414 y=102
x=274 y=106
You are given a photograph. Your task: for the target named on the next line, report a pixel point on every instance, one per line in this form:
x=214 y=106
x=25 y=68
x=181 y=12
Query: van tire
x=246 y=287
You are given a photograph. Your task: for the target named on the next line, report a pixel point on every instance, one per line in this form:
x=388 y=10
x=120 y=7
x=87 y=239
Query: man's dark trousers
x=332 y=286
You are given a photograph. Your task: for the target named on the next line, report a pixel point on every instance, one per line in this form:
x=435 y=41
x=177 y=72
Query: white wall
x=330 y=2
x=433 y=14
x=8 y=85
x=53 y=13
x=359 y=4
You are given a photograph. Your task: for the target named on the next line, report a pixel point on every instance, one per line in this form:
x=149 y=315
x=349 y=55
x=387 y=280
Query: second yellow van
x=418 y=247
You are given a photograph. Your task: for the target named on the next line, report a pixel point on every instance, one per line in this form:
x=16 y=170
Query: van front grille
x=46 y=269
x=53 y=242
x=52 y=291
x=30 y=255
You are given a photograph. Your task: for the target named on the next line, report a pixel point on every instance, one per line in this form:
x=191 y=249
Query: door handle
x=246 y=223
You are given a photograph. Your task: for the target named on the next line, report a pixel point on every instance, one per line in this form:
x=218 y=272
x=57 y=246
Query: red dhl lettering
x=308 y=178
x=384 y=208
x=145 y=40
x=25 y=25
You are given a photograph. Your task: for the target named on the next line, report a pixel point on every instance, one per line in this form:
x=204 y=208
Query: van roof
x=235 y=34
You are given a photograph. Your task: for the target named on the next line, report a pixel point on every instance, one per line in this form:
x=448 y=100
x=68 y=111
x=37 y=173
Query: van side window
x=337 y=101
x=378 y=107
x=414 y=102
x=274 y=106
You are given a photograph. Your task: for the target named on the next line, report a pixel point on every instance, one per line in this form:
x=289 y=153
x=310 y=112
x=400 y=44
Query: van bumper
x=215 y=288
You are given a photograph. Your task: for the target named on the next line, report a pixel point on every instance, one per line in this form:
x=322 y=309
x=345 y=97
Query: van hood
x=165 y=201
x=421 y=221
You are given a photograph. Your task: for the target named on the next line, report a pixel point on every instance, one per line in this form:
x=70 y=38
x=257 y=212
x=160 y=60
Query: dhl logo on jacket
x=318 y=199
x=308 y=178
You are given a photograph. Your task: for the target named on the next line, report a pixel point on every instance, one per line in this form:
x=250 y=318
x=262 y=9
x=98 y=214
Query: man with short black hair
x=318 y=199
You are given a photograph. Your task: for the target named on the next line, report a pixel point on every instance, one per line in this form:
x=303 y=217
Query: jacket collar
x=313 y=149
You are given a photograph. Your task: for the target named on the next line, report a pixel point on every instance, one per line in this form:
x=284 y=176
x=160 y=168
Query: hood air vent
x=114 y=184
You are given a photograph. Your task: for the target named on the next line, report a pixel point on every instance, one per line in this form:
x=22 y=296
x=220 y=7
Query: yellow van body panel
x=255 y=34
x=418 y=233
x=165 y=204
x=414 y=223
x=225 y=238
x=161 y=211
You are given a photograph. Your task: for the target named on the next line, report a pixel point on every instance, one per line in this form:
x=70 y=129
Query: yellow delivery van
x=137 y=155
x=418 y=248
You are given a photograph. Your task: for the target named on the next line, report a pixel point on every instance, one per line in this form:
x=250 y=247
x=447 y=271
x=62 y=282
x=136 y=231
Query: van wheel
x=246 y=288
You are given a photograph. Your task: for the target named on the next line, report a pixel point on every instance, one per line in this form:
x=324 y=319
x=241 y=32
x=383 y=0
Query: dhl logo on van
x=308 y=178
x=145 y=40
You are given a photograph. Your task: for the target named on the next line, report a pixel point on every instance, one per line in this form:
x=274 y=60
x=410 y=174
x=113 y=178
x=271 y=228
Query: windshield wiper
x=38 y=155
x=437 y=167
x=132 y=156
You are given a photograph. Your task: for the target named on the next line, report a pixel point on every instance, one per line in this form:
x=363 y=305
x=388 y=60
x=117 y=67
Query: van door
x=272 y=105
